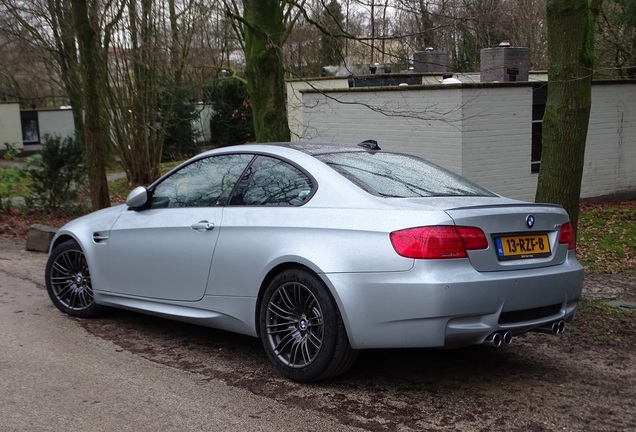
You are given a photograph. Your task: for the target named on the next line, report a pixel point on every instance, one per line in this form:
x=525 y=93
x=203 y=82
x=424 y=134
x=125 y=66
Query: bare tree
x=42 y=35
x=85 y=18
x=616 y=39
x=147 y=60
x=302 y=50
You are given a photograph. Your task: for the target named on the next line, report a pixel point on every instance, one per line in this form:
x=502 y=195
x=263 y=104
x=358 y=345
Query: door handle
x=202 y=226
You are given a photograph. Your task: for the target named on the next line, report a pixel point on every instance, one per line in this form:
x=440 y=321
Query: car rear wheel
x=68 y=281
x=302 y=330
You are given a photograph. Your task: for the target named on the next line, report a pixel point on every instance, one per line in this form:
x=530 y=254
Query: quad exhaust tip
x=500 y=339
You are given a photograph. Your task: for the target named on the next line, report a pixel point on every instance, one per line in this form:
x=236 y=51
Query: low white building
x=56 y=122
x=481 y=131
x=488 y=132
x=10 y=126
x=24 y=129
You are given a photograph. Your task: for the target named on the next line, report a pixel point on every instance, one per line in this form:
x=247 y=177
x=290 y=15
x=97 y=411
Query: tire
x=68 y=281
x=302 y=330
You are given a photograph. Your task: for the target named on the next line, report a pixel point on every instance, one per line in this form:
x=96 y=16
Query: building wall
x=482 y=132
x=60 y=122
x=295 y=88
x=610 y=153
x=295 y=108
x=400 y=119
x=497 y=134
x=10 y=125
x=56 y=122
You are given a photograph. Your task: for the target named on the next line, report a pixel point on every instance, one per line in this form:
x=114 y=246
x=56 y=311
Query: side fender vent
x=100 y=237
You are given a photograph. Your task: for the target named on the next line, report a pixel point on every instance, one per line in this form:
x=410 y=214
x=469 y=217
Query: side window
x=205 y=183
x=274 y=182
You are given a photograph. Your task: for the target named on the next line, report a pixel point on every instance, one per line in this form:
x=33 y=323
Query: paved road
x=55 y=376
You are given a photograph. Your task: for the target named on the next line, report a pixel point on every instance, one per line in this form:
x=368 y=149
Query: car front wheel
x=68 y=281
x=302 y=330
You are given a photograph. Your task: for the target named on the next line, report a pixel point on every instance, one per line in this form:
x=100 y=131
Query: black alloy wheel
x=301 y=328
x=68 y=281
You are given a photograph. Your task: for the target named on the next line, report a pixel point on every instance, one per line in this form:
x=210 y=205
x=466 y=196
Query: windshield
x=400 y=176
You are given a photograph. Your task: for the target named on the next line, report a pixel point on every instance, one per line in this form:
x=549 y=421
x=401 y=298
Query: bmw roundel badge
x=530 y=221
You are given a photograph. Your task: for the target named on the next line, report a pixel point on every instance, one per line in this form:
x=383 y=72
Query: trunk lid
x=520 y=235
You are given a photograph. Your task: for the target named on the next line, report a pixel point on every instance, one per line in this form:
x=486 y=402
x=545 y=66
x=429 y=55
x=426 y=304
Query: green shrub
x=10 y=177
x=59 y=175
x=181 y=141
x=231 y=123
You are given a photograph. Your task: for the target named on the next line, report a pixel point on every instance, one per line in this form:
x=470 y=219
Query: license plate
x=523 y=246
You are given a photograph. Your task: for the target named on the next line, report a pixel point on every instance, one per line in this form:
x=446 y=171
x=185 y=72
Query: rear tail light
x=566 y=236
x=437 y=242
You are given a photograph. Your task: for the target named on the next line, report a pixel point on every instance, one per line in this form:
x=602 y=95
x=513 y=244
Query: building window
x=30 y=127
x=539 y=98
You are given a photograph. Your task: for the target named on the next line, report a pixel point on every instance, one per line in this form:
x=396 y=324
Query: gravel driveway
x=583 y=380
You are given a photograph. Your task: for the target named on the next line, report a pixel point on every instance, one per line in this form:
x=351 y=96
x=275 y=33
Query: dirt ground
x=583 y=380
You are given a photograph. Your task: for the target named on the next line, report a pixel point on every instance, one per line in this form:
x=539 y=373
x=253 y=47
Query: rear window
x=400 y=176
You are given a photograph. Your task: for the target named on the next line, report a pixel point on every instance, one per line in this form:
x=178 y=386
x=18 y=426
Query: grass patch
x=20 y=185
x=596 y=320
x=120 y=188
x=164 y=167
x=607 y=237
x=167 y=166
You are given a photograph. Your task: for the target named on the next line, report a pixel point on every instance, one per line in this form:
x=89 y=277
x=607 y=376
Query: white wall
x=60 y=122
x=483 y=132
x=610 y=153
x=295 y=106
x=56 y=122
x=497 y=134
x=400 y=119
x=10 y=126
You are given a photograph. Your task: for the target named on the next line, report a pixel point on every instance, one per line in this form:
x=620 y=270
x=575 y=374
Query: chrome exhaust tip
x=506 y=338
x=556 y=327
x=495 y=339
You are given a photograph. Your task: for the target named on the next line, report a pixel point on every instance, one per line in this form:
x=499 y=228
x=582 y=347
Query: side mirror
x=137 y=198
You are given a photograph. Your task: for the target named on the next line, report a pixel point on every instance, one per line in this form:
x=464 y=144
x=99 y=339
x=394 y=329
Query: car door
x=256 y=227
x=164 y=251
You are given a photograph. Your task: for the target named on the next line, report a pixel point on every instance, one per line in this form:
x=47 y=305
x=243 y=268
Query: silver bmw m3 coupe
x=321 y=251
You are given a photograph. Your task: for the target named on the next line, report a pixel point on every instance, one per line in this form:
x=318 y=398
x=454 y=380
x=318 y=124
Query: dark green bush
x=59 y=175
x=231 y=121
x=182 y=139
x=11 y=177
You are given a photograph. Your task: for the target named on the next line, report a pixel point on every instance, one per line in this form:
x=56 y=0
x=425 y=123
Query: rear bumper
x=447 y=303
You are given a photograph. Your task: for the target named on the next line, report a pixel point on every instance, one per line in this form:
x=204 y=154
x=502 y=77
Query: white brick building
x=482 y=131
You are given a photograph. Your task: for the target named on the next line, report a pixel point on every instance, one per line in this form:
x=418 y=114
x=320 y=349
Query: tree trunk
x=92 y=79
x=566 y=118
x=66 y=53
x=264 y=29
